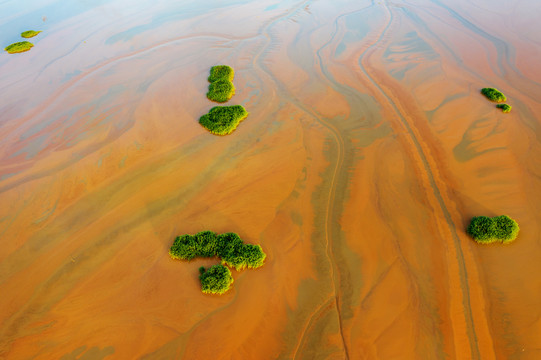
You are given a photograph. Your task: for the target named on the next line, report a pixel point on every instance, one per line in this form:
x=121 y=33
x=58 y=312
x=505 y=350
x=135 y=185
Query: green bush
x=221 y=87
x=222 y=120
x=206 y=243
x=19 y=47
x=253 y=255
x=229 y=247
x=29 y=34
x=487 y=230
x=221 y=91
x=235 y=253
x=493 y=94
x=215 y=280
x=221 y=72
x=481 y=229
x=187 y=247
x=505 y=229
x=505 y=108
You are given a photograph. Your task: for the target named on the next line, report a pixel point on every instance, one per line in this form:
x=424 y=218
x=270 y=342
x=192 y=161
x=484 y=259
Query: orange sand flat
x=367 y=150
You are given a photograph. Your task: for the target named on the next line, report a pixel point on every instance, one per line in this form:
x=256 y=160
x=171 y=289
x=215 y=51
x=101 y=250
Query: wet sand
x=367 y=150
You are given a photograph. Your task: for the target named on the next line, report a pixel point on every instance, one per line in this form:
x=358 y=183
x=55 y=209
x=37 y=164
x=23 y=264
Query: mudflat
x=368 y=150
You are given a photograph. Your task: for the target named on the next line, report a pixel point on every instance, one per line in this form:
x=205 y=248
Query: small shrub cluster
x=505 y=107
x=229 y=247
x=235 y=253
x=221 y=91
x=221 y=87
x=19 y=47
x=221 y=72
x=497 y=96
x=486 y=230
x=215 y=280
x=29 y=34
x=493 y=94
x=222 y=120
x=22 y=46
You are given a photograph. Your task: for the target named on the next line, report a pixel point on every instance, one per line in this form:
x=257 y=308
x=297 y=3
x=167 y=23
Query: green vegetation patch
x=221 y=91
x=221 y=72
x=505 y=229
x=233 y=252
x=221 y=87
x=229 y=247
x=222 y=120
x=505 y=107
x=187 y=247
x=493 y=94
x=19 y=47
x=487 y=230
x=29 y=34
x=215 y=280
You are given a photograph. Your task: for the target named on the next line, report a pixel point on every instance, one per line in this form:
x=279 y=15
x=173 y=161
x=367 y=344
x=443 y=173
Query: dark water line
x=352 y=96
x=81 y=41
x=89 y=150
x=450 y=53
x=353 y=100
x=63 y=279
x=331 y=200
x=53 y=99
x=310 y=324
x=340 y=148
x=504 y=51
x=460 y=257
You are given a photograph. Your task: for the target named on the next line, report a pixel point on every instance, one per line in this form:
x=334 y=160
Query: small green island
x=505 y=107
x=496 y=95
x=29 y=34
x=486 y=230
x=493 y=94
x=221 y=87
x=228 y=247
x=222 y=120
x=221 y=91
x=216 y=279
x=221 y=72
x=19 y=47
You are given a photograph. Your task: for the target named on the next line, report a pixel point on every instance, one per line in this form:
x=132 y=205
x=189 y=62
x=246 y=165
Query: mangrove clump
x=486 y=230
x=29 y=34
x=229 y=247
x=187 y=247
x=222 y=120
x=215 y=280
x=493 y=94
x=221 y=72
x=235 y=253
x=505 y=107
x=221 y=87
x=221 y=91
x=19 y=47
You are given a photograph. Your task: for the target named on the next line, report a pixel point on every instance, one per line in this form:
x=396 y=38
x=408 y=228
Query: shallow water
x=367 y=150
